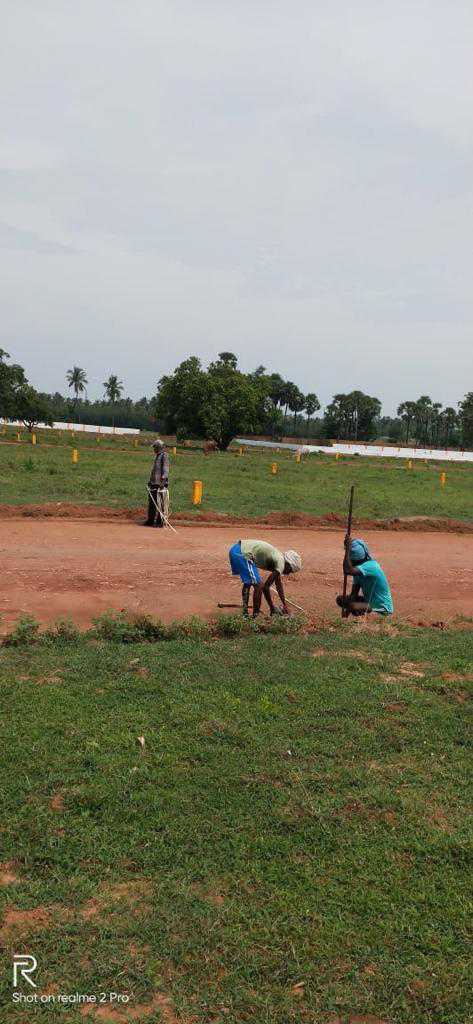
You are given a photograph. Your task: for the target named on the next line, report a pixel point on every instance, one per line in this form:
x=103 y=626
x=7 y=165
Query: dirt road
x=57 y=568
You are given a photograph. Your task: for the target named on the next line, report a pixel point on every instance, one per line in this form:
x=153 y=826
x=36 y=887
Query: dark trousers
x=153 y=514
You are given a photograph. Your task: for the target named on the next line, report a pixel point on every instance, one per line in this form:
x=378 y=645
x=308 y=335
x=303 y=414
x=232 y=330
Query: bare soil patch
x=132 y=895
x=8 y=875
x=80 y=569
x=143 y=1011
x=20 y=924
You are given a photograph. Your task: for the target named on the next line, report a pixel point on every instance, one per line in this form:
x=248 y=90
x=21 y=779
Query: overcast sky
x=289 y=180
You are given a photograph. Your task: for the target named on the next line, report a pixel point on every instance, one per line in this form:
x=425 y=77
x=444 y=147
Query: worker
x=247 y=557
x=370 y=591
x=158 y=493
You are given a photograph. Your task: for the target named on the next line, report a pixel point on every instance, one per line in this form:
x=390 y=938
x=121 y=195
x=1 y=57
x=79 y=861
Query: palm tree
x=449 y=421
x=113 y=389
x=436 y=422
x=296 y=404
x=423 y=417
x=312 y=405
x=407 y=412
x=285 y=397
x=77 y=379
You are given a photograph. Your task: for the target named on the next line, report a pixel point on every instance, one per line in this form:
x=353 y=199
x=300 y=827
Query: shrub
x=117 y=626
x=24 y=633
x=64 y=630
x=191 y=628
x=235 y=625
x=285 y=625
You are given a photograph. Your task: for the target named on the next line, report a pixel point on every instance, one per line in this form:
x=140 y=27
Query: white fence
x=87 y=428
x=377 y=450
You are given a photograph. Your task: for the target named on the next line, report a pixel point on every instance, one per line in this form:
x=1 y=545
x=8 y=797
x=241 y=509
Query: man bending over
x=247 y=557
x=370 y=591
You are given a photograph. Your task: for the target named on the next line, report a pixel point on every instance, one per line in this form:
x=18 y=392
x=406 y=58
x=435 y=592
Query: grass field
x=233 y=485
x=291 y=844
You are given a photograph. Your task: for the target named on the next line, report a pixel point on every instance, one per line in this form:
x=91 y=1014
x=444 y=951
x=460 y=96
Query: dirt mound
x=287 y=520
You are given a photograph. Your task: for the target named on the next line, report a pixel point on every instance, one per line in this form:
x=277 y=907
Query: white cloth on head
x=294 y=560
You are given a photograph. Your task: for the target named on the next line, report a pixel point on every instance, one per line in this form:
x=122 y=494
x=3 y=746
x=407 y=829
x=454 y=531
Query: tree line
x=220 y=401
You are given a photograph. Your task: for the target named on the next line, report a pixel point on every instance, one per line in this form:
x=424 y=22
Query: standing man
x=247 y=557
x=158 y=494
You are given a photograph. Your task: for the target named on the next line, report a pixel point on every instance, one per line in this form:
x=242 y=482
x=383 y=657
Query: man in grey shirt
x=158 y=494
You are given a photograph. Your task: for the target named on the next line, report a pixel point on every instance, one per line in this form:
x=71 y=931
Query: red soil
x=79 y=569
x=297 y=520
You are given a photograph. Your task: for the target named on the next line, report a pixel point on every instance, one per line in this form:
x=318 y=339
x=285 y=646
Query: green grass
x=234 y=485
x=291 y=821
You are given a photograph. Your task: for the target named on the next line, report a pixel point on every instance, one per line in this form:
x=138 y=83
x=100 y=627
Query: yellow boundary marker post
x=274 y=468
x=298 y=456
x=337 y=456
x=33 y=439
x=240 y=450
x=443 y=479
x=174 y=450
x=75 y=456
x=197 y=489
x=409 y=463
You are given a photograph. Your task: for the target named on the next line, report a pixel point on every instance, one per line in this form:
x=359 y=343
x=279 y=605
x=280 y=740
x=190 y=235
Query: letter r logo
x=25 y=964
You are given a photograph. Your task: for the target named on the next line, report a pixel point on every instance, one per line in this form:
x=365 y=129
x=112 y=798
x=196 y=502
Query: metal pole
x=348 y=534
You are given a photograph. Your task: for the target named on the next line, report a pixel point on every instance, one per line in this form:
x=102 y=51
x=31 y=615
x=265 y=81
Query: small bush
x=148 y=628
x=29 y=465
x=285 y=625
x=235 y=625
x=117 y=626
x=191 y=628
x=24 y=633
x=64 y=630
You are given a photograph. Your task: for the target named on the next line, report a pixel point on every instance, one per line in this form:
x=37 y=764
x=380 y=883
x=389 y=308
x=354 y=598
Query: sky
x=289 y=181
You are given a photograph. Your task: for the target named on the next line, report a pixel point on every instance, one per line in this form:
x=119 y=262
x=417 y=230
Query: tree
x=449 y=421
x=231 y=402
x=407 y=412
x=275 y=388
x=228 y=359
x=32 y=408
x=113 y=389
x=216 y=403
x=296 y=403
x=178 y=401
x=422 y=414
x=466 y=419
x=352 y=416
x=287 y=394
x=12 y=379
x=435 y=423
x=312 y=405
x=77 y=379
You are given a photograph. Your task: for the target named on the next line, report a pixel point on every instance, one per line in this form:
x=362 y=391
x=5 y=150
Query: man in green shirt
x=247 y=557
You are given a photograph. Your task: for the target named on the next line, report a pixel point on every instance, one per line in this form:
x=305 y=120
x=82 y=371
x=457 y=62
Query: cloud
x=27 y=241
x=291 y=182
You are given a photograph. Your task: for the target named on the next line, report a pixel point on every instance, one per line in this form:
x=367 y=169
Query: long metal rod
x=348 y=534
